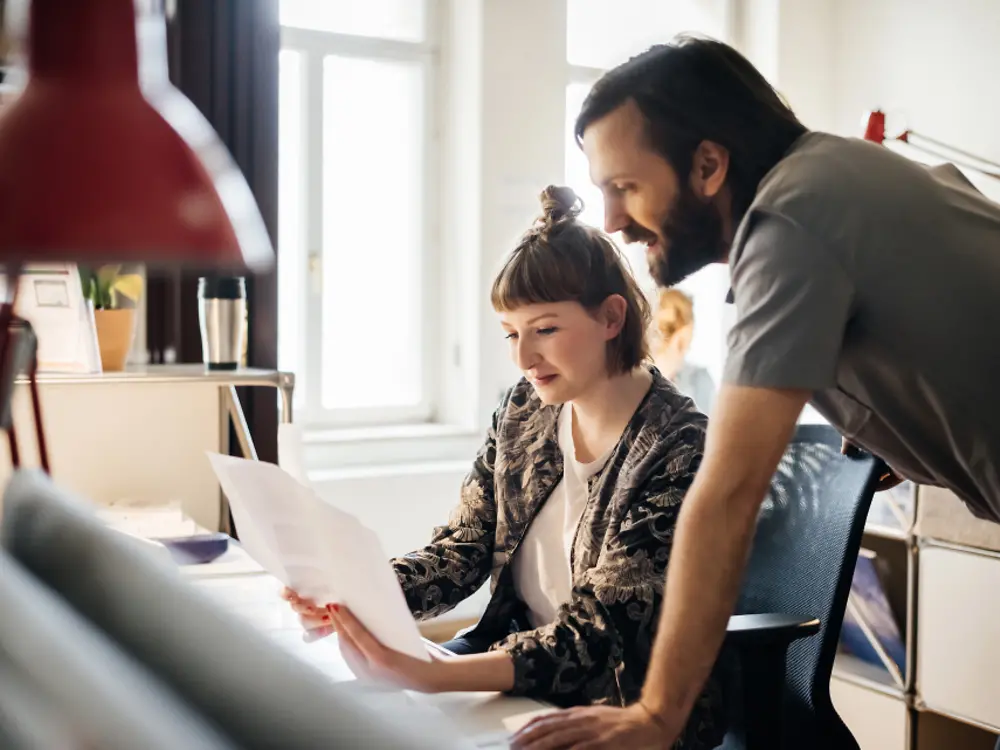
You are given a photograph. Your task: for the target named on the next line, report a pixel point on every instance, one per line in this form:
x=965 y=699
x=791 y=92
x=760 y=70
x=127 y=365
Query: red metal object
x=102 y=160
x=875 y=127
x=875 y=131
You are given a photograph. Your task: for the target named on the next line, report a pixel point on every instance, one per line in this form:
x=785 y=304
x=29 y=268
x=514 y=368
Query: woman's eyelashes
x=540 y=331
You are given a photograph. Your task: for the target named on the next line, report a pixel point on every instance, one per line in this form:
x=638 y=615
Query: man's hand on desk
x=594 y=728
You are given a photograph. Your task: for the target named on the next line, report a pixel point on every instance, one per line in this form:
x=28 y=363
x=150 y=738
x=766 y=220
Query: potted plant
x=114 y=296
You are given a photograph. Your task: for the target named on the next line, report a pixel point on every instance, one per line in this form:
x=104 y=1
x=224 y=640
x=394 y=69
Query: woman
x=672 y=331
x=570 y=507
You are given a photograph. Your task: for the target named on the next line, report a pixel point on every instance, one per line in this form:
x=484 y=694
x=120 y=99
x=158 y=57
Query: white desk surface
x=240 y=587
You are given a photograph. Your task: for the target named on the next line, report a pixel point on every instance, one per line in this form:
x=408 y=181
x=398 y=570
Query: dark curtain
x=224 y=57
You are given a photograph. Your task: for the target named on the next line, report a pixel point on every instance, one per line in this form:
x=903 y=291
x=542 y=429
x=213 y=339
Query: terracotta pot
x=115 y=329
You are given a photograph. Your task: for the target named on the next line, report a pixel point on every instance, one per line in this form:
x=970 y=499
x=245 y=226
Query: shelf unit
x=886 y=714
x=141 y=436
x=866 y=675
x=227 y=380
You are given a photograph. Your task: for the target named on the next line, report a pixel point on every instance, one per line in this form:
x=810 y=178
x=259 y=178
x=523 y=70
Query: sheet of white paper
x=291 y=452
x=251 y=537
x=318 y=550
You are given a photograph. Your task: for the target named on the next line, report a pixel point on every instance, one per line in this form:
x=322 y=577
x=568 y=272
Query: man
x=863 y=282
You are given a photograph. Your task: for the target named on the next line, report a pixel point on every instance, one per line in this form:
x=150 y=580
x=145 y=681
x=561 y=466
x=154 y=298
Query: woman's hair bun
x=559 y=203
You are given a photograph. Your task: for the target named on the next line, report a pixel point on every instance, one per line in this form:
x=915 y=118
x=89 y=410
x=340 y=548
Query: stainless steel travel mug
x=222 y=305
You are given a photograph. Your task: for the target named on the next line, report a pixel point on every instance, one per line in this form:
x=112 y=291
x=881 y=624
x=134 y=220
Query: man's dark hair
x=692 y=90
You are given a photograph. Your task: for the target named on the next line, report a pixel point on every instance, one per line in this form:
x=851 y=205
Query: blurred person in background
x=669 y=344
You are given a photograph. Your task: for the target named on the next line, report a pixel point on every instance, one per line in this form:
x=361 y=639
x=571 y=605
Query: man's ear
x=613 y=312
x=709 y=168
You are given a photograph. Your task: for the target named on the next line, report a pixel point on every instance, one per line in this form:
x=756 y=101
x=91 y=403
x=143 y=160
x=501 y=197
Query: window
x=355 y=162
x=599 y=35
x=403 y=20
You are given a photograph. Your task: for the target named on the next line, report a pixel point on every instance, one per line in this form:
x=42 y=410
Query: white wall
x=931 y=65
x=792 y=43
x=523 y=105
x=403 y=505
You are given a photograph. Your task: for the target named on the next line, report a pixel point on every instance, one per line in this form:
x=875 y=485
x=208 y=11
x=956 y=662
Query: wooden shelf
x=885 y=532
x=864 y=674
x=245 y=376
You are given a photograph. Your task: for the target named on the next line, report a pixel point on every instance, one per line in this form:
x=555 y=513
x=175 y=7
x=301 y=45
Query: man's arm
x=747 y=435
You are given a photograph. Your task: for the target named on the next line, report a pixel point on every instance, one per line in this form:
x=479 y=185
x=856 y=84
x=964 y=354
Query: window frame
x=313 y=46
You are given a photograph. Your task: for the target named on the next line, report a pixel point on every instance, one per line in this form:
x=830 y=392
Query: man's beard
x=693 y=236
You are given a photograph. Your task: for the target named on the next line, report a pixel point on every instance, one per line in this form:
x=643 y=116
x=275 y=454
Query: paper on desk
x=316 y=549
x=149 y=521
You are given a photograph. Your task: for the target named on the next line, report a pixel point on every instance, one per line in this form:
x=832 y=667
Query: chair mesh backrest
x=805 y=549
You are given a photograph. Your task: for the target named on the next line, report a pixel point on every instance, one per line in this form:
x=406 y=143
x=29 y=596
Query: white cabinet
x=877 y=720
x=958 y=638
x=944 y=585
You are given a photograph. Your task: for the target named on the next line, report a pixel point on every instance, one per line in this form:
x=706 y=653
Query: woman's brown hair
x=561 y=259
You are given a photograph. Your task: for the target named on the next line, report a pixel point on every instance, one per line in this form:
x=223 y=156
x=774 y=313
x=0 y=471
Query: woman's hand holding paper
x=316 y=620
x=364 y=653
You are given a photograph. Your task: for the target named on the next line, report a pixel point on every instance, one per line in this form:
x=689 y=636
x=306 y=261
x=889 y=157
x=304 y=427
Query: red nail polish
x=335 y=607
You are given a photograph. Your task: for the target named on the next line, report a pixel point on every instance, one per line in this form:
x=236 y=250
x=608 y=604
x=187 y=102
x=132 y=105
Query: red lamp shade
x=875 y=127
x=103 y=160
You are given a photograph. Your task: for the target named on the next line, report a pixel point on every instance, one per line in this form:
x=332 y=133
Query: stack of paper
x=316 y=549
x=149 y=521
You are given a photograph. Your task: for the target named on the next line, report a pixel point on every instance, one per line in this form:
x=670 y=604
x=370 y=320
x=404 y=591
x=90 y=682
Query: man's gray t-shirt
x=874 y=281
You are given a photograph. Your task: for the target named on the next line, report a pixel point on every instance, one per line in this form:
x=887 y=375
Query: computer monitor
x=257 y=693
x=64 y=684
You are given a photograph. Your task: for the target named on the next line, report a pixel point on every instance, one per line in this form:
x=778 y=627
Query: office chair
x=791 y=608
x=64 y=684
x=257 y=694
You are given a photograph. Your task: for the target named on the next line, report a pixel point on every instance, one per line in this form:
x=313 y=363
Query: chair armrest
x=769 y=629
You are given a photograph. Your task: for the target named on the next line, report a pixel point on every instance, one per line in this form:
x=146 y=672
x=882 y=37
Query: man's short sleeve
x=793 y=302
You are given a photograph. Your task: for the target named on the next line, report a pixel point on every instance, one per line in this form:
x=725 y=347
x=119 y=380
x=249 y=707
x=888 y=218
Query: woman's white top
x=542 y=576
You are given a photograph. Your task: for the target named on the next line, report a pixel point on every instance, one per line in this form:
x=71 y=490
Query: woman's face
x=561 y=347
